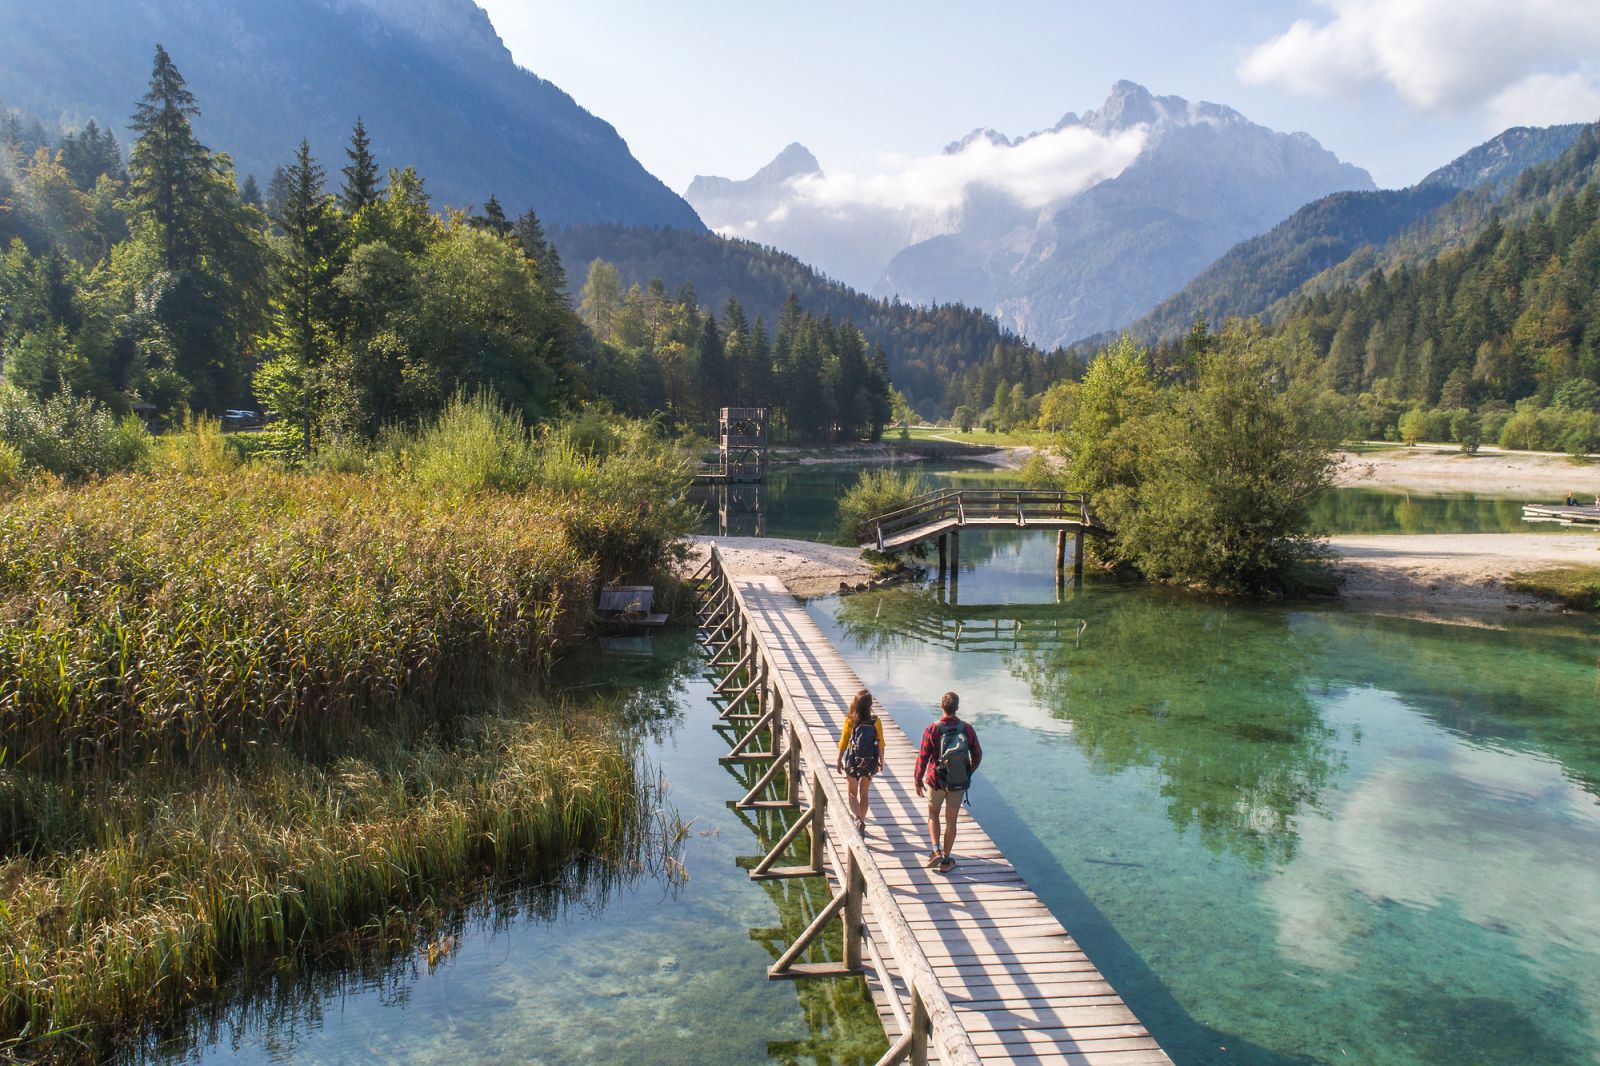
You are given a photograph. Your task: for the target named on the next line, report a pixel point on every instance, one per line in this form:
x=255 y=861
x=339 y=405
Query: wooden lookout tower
x=743 y=436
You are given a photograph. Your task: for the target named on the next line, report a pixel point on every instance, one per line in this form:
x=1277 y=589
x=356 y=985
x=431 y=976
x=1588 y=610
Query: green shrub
x=475 y=445
x=73 y=437
x=13 y=471
x=875 y=491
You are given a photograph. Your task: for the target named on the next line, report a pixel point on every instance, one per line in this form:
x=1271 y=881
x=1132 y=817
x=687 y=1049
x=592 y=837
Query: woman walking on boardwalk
x=860 y=753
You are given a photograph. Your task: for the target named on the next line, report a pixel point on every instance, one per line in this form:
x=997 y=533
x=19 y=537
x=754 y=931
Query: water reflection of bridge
x=992 y=626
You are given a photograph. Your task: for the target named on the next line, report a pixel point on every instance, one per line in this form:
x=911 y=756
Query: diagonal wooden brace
x=847 y=901
x=741 y=751
x=744 y=693
x=764 y=782
x=765 y=870
x=727 y=682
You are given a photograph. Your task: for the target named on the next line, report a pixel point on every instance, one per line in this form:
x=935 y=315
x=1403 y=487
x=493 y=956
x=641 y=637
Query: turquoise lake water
x=1285 y=834
x=800 y=502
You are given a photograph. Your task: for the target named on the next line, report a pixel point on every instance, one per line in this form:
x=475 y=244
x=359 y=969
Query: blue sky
x=718 y=86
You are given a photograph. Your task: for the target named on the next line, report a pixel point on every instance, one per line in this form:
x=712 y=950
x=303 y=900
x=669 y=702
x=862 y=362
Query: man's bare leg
x=952 y=811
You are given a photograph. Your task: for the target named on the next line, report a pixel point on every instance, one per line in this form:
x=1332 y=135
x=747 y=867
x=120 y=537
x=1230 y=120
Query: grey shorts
x=939 y=797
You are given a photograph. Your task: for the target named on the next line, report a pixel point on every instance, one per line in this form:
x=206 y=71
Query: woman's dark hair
x=861 y=708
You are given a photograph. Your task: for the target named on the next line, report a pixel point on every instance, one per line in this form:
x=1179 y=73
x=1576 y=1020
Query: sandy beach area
x=1456 y=570
x=806 y=567
x=1539 y=478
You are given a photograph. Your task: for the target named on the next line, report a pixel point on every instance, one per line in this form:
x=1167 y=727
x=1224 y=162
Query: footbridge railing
x=760 y=697
x=947 y=508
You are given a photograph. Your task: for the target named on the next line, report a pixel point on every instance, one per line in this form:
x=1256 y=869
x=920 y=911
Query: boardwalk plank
x=1021 y=986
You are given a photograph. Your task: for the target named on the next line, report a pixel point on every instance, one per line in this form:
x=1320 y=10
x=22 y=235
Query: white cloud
x=1047 y=167
x=1443 y=55
x=1545 y=100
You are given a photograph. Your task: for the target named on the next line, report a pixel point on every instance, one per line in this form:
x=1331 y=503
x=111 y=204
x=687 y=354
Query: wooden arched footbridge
x=964 y=967
x=941 y=515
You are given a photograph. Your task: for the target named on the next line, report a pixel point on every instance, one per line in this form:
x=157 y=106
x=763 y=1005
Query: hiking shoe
x=935 y=859
x=861 y=825
x=946 y=865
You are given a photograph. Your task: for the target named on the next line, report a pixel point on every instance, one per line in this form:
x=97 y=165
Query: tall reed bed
x=175 y=885
x=185 y=617
x=234 y=702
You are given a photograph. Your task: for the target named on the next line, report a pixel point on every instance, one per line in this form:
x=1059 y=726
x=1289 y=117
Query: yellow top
x=844 y=734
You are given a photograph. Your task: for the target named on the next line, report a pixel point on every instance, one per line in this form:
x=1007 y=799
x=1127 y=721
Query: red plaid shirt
x=928 y=754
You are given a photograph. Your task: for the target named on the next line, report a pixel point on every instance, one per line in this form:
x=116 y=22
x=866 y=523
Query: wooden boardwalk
x=1019 y=986
x=1576 y=515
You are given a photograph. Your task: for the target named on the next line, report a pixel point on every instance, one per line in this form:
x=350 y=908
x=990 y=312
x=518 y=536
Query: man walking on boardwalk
x=946 y=760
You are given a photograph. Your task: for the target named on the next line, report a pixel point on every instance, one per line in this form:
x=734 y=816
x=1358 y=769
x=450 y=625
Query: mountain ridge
x=1060 y=232
x=1330 y=234
x=431 y=79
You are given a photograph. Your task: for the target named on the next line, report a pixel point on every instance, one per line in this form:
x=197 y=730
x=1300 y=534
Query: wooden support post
x=1061 y=555
x=855 y=885
x=944 y=551
x=819 y=826
x=1077 y=556
x=919 y=1029
x=791 y=787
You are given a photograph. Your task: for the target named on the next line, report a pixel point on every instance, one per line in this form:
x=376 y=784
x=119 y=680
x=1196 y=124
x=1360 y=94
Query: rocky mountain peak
x=982 y=133
x=793 y=161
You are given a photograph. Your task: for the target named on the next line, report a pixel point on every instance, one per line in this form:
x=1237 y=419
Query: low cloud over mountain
x=1061 y=233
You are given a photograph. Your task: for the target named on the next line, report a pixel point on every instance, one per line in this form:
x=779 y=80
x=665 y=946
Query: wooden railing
x=987 y=505
x=755 y=683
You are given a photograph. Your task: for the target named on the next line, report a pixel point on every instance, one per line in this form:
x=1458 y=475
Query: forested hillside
x=936 y=356
x=430 y=78
x=341 y=302
x=1348 y=230
x=1509 y=320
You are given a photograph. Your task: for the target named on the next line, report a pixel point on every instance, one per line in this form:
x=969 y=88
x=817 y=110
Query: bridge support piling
x=1077 y=556
x=1061 y=554
x=944 y=550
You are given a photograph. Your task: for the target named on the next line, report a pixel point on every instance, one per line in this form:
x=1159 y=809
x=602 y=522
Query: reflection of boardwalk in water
x=1018 y=988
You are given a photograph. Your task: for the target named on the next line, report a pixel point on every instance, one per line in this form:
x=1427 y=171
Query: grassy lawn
x=1577 y=587
x=1017 y=439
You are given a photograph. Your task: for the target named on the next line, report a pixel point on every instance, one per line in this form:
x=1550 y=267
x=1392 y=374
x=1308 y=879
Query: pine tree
x=89 y=154
x=493 y=218
x=169 y=168
x=542 y=254
x=250 y=192
x=361 y=186
x=714 y=384
x=305 y=304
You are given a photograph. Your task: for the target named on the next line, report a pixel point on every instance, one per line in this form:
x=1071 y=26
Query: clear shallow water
x=1285 y=835
x=640 y=972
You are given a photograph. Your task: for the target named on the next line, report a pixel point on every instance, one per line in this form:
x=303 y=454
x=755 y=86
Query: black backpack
x=955 y=757
x=861 y=753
